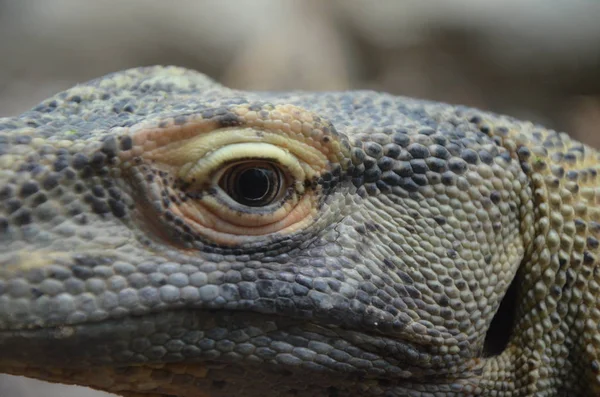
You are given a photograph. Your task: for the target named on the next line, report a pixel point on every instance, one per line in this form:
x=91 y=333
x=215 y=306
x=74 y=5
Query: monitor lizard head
x=164 y=235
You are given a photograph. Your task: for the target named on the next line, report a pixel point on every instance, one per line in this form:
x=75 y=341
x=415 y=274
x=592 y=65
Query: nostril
x=500 y=329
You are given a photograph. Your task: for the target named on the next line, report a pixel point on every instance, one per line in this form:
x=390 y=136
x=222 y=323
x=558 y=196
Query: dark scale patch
x=403 y=169
x=79 y=161
x=409 y=185
x=69 y=174
x=485 y=129
x=29 y=188
x=373 y=149
x=420 y=179
x=427 y=131
x=372 y=174
x=486 y=157
x=572 y=175
x=437 y=165
x=391 y=178
x=228 y=120
x=371 y=189
x=98 y=205
x=524 y=153
x=418 y=151
x=74 y=211
x=470 y=156
x=570 y=158
x=22 y=217
x=98 y=160
x=180 y=120
x=125 y=143
x=476 y=120
x=117 y=208
x=526 y=168
x=448 y=178
x=357 y=181
x=6 y=192
x=495 y=197
x=12 y=205
x=588 y=258
x=82 y=271
x=401 y=139
x=370 y=162
x=109 y=146
x=440 y=220
x=98 y=191
x=439 y=152
x=572 y=187
x=61 y=163
x=39 y=199
x=458 y=166
x=32 y=167
x=558 y=171
x=391 y=150
x=419 y=166
x=114 y=193
x=454 y=149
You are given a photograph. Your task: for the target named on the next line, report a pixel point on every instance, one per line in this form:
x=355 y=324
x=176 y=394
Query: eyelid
x=210 y=167
x=186 y=152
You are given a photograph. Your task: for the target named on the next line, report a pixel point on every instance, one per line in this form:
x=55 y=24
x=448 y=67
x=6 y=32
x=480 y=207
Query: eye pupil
x=254 y=183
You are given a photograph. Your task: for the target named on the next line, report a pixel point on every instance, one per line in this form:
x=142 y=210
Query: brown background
x=534 y=59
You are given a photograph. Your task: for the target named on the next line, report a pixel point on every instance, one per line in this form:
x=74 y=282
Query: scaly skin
x=129 y=264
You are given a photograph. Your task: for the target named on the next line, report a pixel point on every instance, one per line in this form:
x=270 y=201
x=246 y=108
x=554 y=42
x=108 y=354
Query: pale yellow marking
x=182 y=153
x=29 y=260
x=204 y=168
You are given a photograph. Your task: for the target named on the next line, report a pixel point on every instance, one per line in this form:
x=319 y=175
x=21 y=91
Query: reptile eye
x=254 y=184
x=232 y=186
x=251 y=184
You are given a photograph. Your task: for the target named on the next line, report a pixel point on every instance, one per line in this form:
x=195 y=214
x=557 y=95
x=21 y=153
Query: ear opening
x=500 y=329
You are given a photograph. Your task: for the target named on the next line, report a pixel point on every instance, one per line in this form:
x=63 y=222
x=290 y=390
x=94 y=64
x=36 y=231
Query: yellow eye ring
x=191 y=172
x=210 y=167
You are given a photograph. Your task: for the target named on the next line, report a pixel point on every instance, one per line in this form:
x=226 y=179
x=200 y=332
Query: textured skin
x=379 y=277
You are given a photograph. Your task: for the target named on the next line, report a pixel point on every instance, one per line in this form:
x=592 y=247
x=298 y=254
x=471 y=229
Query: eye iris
x=253 y=185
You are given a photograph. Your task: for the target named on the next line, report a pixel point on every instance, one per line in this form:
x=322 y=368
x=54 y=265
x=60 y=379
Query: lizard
x=163 y=235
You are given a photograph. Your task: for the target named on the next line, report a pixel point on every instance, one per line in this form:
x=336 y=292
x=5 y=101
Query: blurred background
x=533 y=59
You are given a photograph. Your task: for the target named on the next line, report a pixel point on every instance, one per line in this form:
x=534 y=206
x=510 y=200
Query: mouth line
x=186 y=336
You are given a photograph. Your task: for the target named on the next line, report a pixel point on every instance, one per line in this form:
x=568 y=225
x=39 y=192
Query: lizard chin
x=224 y=353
